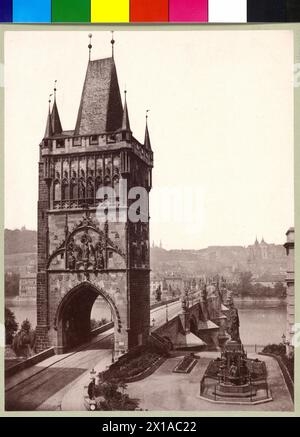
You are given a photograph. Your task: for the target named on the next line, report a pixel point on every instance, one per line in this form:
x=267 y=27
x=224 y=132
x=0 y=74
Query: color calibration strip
x=149 y=11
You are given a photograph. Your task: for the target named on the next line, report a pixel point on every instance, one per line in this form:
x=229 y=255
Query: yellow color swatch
x=109 y=11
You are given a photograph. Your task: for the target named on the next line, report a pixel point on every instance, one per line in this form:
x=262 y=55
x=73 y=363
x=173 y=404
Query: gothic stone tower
x=80 y=257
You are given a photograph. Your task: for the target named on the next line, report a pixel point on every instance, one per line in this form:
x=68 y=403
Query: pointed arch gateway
x=73 y=316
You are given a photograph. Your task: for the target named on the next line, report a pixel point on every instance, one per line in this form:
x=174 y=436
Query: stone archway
x=73 y=316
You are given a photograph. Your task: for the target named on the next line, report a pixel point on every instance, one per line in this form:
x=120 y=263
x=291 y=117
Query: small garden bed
x=133 y=364
x=186 y=364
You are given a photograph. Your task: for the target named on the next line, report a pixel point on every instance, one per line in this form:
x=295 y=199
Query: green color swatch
x=72 y=11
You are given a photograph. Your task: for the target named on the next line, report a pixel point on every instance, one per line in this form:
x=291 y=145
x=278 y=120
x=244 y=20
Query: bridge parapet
x=191 y=323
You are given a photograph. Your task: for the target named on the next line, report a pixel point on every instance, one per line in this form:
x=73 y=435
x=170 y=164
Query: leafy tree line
x=245 y=288
x=22 y=340
x=12 y=284
x=98 y=323
x=20 y=241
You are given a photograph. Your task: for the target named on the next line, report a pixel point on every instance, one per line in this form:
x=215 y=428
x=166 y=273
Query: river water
x=27 y=309
x=261 y=322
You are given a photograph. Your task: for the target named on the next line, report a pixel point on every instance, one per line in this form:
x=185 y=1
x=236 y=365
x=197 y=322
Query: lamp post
x=167 y=313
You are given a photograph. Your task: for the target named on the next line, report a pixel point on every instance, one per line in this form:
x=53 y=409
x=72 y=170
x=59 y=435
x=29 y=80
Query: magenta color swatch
x=188 y=10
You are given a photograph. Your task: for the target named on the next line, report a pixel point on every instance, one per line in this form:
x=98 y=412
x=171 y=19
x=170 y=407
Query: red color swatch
x=149 y=10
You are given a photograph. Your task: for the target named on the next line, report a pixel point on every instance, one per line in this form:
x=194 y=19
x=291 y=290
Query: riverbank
x=260 y=300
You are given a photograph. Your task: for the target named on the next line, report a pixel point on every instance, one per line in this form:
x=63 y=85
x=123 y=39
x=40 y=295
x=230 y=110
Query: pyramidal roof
x=100 y=108
x=147 y=142
x=48 y=131
x=56 y=124
x=125 y=119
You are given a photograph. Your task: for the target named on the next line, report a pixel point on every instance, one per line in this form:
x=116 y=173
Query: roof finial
x=55 y=89
x=125 y=93
x=49 y=101
x=112 y=43
x=147 y=110
x=90 y=45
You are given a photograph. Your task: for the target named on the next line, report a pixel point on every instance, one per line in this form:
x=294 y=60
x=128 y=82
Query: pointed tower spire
x=125 y=120
x=56 y=124
x=48 y=131
x=147 y=142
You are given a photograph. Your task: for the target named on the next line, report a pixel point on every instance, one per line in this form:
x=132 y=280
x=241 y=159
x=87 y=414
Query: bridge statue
x=234 y=324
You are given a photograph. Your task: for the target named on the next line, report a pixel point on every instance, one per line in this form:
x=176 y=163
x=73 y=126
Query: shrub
x=112 y=396
x=98 y=323
x=24 y=341
x=276 y=349
x=280 y=350
x=11 y=326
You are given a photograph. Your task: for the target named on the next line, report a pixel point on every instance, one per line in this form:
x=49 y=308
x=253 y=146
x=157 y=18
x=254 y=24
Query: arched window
x=116 y=186
x=57 y=191
x=98 y=182
x=81 y=189
x=73 y=189
x=65 y=190
x=90 y=189
x=107 y=180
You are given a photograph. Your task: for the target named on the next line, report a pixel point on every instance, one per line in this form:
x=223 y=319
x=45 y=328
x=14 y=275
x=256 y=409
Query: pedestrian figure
x=91 y=389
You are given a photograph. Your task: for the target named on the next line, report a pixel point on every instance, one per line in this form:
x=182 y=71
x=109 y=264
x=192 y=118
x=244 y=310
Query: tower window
x=111 y=138
x=57 y=191
x=94 y=140
x=60 y=144
x=76 y=142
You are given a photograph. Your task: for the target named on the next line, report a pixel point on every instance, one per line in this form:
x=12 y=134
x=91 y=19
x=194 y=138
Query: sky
x=220 y=122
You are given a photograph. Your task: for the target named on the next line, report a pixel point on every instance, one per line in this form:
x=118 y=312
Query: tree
x=11 y=326
x=280 y=289
x=245 y=286
x=112 y=397
x=12 y=284
x=24 y=341
x=97 y=323
x=158 y=294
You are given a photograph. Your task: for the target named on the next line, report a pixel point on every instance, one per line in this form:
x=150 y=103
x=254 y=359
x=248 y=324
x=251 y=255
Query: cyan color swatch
x=32 y=11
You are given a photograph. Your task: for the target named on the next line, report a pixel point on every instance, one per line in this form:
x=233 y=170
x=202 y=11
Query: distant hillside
x=260 y=258
x=20 y=241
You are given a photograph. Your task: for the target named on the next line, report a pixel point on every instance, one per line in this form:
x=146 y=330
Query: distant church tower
x=79 y=257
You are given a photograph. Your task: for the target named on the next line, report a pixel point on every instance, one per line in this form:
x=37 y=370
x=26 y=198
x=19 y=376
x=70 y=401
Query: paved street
x=168 y=391
x=57 y=383
x=49 y=385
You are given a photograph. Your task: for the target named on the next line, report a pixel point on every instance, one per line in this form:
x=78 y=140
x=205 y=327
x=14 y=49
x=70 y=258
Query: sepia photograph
x=149 y=220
